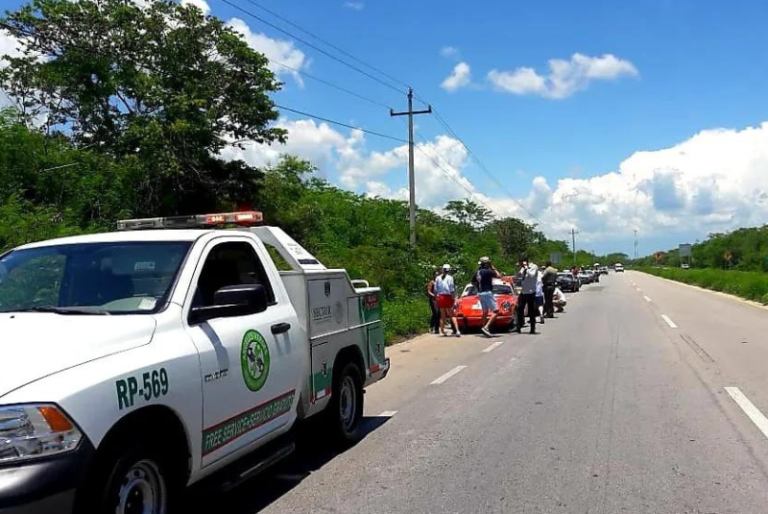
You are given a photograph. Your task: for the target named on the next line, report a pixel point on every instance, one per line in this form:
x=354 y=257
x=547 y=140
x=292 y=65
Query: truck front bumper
x=377 y=372
x=46 y=486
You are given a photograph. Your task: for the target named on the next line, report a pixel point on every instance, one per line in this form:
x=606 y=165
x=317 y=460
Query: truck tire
x=345 y=409
x=137 y=477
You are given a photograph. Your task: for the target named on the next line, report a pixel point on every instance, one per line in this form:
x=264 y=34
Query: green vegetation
x=751 y=285
x=122 y=111
x=748 y=248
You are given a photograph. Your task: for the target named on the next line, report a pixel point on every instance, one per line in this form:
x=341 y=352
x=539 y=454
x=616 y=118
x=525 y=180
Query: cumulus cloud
x=449 y=52
x=460 y=77
x=716 y=180
x=564 y=77
x=9 y=47
x=276 y=50
x=200 y=4
x=355 y=6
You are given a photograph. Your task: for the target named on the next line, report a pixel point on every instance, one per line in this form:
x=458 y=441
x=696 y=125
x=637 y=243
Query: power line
x=328 y=43
x=331 y=84
x=312 y=45
x=482 y=166
x=341 y=124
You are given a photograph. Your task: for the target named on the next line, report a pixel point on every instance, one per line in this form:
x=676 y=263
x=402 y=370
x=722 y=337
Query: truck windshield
x=92 y=278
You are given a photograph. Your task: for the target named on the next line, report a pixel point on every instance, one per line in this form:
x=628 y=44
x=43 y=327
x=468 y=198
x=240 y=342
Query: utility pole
x=573 y=246
x=635 y=244
x=411 y=178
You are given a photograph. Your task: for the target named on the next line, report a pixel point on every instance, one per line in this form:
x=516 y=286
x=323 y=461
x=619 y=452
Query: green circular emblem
x=254 y=359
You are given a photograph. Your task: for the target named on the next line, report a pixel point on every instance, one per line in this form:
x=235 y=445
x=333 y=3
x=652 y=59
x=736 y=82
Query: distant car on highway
x=567 y=282
x=618 y=268
x=685 y=265
x=585 y=277
x=469 y=312
x=604 y=270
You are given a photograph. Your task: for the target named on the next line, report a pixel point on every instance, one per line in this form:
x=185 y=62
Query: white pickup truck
x=137 y=362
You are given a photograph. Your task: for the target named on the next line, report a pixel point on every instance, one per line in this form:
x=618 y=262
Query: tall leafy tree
x=161 y=87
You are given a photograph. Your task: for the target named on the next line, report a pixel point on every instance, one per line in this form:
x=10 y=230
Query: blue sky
x=699 y=66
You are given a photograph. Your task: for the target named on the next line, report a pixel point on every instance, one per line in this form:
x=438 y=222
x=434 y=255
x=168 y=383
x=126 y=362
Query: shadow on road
x=260 y=491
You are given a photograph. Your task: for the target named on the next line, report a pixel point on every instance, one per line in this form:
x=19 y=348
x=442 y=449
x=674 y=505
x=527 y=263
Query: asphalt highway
x=645 y=396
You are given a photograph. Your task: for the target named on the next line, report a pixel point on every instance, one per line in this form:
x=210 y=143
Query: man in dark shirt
x=549 y=277
x=485 y=276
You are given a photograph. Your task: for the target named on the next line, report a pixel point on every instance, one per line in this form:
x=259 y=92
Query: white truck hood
x=35 y=345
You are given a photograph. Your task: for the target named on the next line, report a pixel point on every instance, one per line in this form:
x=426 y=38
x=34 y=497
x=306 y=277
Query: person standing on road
x=540 y=298
x=549 y=277
x=434 y=322
x=528 y=274
x=445 y=290
x=485 y=276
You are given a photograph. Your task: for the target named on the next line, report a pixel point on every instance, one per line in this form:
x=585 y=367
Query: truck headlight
x=34 y=431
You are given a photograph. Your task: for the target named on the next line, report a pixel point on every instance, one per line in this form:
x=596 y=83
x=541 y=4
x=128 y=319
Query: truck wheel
x=345 y=410
x=134 y=480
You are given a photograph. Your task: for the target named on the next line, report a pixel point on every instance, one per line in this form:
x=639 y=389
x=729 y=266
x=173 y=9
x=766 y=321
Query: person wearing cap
x=445 y=289
x=485 y=276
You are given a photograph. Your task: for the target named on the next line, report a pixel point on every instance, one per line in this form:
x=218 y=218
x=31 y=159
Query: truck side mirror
x=232 y=301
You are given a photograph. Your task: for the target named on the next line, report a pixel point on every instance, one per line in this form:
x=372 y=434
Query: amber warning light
x=243 y=219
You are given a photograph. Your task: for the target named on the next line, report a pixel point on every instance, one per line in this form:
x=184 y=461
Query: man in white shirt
x=529 y=277
x=445 y=290
x=558 y=299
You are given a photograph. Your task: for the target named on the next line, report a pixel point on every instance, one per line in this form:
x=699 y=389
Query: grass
x=405 y=317
x=751 y=285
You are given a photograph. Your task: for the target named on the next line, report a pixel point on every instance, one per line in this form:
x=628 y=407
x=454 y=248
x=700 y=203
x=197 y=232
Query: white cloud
x=9 y=47
x=355 y=6
x=716 y=180
x=564 y=78
x=200 y=4
x=277 y=50
x=449 y=51
x=460 y=77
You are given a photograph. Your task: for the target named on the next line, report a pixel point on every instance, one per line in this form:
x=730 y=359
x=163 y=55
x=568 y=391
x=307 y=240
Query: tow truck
x=138 y=362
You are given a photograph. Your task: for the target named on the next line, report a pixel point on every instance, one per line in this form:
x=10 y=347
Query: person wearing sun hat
x=445 y=289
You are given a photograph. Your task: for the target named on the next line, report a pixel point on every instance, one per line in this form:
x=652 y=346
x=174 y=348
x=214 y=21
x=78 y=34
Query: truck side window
x=230 y=264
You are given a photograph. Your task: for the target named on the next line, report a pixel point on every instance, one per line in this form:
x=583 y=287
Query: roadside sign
x=657 y=256
x=685 y=250
x=555 y=257
x=728 y=256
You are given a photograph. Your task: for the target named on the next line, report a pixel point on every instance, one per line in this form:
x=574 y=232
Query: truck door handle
x=280 y=328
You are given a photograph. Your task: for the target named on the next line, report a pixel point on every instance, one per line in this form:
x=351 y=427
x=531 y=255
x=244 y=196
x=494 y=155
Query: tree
x=515 y=236
x=162 y=88
x=468 y=212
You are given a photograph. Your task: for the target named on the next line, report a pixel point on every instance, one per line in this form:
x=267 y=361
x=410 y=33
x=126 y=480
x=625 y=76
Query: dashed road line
x=448 y=375
x=647 y=299
x=387 y=413
x=669 y=321
x=493 y=346
x=757 y=417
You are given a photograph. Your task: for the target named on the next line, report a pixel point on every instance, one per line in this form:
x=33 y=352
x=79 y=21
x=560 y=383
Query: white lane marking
x=749 y=409
x=387 y=413
x=448 y=375
x=669 y=321
x=493 y=346
x=647 y=299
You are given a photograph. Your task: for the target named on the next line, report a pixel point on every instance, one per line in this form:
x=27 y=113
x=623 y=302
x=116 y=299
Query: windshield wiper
x=64 y=310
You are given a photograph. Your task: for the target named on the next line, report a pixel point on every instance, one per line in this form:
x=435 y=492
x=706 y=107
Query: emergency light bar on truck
x=243 y=219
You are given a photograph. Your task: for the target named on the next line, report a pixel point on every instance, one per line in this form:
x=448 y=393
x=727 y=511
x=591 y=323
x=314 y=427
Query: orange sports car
x=470 y=314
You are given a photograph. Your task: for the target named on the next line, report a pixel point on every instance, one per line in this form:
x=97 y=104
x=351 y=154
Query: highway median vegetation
x=750 y=285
